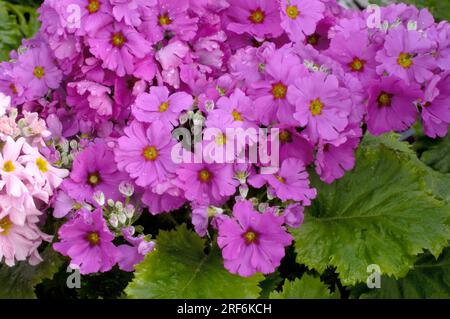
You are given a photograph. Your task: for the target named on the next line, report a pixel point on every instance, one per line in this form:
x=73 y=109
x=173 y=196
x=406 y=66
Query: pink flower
x=335 y=157
x=252 y=242
x=407 y=55
x=144 y=152
x=43 y=173
x=165 y=201
x=20 y=242
x=321 y=105
x=300 y=17
x=292 y=144
x=391 y=105
x=87 y=240
x=36 y=70
x=130 y=255
x=169 y=17
x=119 y=47
x=355 y=53
x=271 y=95
x=94 y=170
x=159 y=105
x=259 y=18
x=97 y=96
x=207 y=183
x=12 y=175
x=289 y=183
x=236 y=109
x=436 y=107
x=293 y=215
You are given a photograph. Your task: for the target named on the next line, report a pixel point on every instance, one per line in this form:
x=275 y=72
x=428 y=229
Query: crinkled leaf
x=308 y=287
x=380 y=213
x=18 y=282
x=179 y=268
x=438 y=155
x=429 y=279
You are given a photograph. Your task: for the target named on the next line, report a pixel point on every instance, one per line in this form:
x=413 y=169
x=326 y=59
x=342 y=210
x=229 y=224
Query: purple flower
x=252 y=242
x=207 y=183
x=163 y=201
x=290 y=182
x=407 y=55
x=87 y=240
x=130 y=255
x=321 y=105
x=259 y=18
x=355 y=53
x=300 y=17
x=94 y=170
x=119 y=47
x=293 y=215
x=335 y=157
x=271 y=95
x=436 y=107
x=36 y=70
x=169 y=17
x=391 y=105
x=144 y=152
x=159 y=105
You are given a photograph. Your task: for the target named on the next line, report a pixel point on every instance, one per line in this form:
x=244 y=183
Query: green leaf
x=438 y=155
x=382 y=212
x=269 y=284
x=18 y=282
x=308 y=287
x=179 y=268
x=17 y=22
x=429 y=279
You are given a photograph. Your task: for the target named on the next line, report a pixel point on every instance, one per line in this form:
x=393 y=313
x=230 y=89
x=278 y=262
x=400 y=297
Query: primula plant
x=225 y=149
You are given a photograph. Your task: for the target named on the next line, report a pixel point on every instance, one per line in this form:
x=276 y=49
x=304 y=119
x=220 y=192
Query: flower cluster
x=27 y=182
x=119 y=83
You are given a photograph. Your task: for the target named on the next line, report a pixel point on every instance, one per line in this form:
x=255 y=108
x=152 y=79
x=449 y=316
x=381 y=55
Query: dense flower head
x=96 y=109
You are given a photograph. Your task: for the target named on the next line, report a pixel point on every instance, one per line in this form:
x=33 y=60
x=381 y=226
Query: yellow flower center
x=150 y=153
x=405 y=60
x=250 y=237
x=279 y=90
x=357 y=65
x=77 y=206
x=163 y=107
x=384 y=99
x=313 y=39
x=292 y=12
x=285 y=136
x=5 y=225
x=221 y=139
x=118 y=39
x=13 y=88
x=164 y=19
x=257 y=16
x=316 y=107
x=237 y=116
x=39 y=72
x=94 y=179
x=204 y=175
x=93 y=6
x=42 y=165
x=280 y=179
x=8 y=167
x=93 y=238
